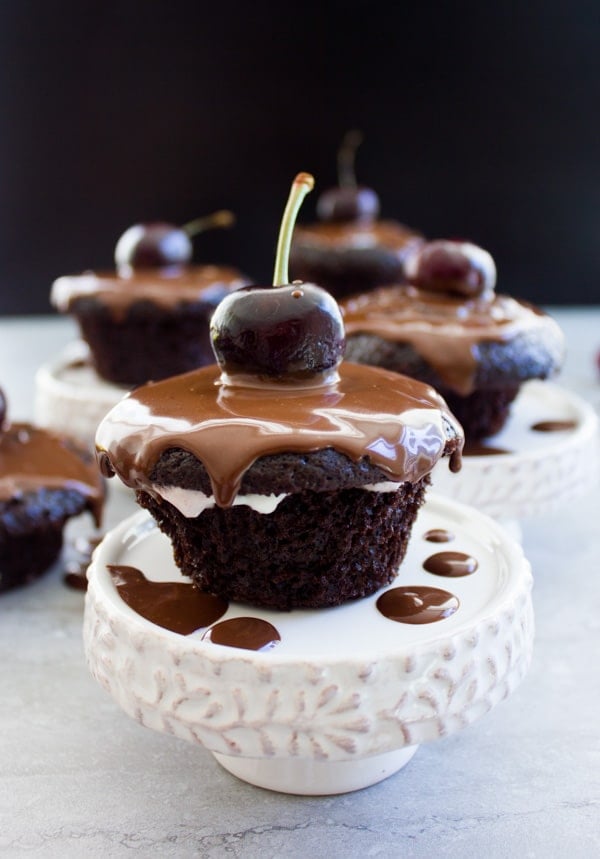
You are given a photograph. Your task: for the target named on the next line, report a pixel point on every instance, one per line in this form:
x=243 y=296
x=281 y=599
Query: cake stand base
x=313 y=777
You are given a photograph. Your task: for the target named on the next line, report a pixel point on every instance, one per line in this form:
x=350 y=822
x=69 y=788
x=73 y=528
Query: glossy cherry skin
x=454 y=267
x=348 y=204
x=152 y=246
x=2 y=408
x=286 y=332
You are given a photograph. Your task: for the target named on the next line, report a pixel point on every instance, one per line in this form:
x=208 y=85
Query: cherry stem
x=222 y=218
x=302 y=184
x=346 y=159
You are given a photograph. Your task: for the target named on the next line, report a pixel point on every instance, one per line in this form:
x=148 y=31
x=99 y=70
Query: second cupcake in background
x=350 y=248
x=449 y=328
x=149 y=318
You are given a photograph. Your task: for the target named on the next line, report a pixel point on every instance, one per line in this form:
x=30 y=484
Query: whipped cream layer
x=193 y=502
x=402 y=426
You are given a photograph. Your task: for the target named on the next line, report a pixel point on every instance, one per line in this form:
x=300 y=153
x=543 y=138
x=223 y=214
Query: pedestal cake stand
x=345 y=696
x=546 y=455
x=70 y=397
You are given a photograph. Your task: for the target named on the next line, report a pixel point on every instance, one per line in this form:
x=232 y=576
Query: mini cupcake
x=44 y=481
x=350 y=249
x=449 y=328
x=149 y=319
x=283 y=477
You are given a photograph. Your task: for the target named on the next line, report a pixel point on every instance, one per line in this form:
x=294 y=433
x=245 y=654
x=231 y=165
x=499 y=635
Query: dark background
x=480 y=120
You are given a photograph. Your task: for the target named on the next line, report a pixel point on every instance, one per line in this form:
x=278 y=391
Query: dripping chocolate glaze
x=177 y=606
x=402 y=425
x=166 y=287
x=32 y=459
x=444 y=330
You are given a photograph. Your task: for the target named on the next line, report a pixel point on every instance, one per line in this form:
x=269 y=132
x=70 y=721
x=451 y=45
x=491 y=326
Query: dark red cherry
x=348 y=204
x=152 y=246
x=349 y=201
x=278 y=332
x=2 y=409
x=285 y=332
x=453 y=267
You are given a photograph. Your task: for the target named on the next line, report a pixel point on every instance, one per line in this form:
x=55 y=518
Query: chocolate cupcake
x=283 y=477
x=148 y=319
x=449 y=328
x=44 y=481
x=350 y=249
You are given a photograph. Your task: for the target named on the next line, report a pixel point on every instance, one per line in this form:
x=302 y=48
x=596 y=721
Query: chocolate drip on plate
x=417 y=604
x=554 y=426
x=247 y=633
x=438 y=535
x=176 y=606
x=451 y=564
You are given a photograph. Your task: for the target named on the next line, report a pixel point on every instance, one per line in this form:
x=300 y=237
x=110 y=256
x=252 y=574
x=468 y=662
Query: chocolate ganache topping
x=445 y=329
x=167 y=287
x=401 y=425
x=32 y=459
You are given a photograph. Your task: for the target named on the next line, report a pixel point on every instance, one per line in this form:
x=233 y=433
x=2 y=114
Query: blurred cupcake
x=448 y=328
x=45 y=480
x=350 y=249
x=149 y=318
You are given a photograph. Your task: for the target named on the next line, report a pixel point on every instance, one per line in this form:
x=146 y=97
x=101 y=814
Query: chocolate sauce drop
x=417 y=604
x=450 y=564
x=248 y=633
x=438 y=535
x=177 y=606
x=75 y=575
x=553 y=426
x=476 y=449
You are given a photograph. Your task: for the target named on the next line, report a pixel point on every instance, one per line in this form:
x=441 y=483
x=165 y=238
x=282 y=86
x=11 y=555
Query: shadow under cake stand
x=544 y=457
x=345 y=697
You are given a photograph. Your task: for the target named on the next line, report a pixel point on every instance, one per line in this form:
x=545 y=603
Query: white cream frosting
x=192 y=502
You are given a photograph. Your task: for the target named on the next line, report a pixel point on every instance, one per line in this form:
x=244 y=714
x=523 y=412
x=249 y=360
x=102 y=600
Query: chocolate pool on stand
x=315 y=701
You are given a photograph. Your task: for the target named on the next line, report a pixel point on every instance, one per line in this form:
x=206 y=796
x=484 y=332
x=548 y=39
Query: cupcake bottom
x=482 y=413
x=24 y=559
x=502 y=367
x=31 y=533
x=317 y=549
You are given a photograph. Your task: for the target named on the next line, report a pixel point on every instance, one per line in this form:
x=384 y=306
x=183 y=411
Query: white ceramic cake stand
x=542 y=471
x=343 y=700
x=70 y=397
